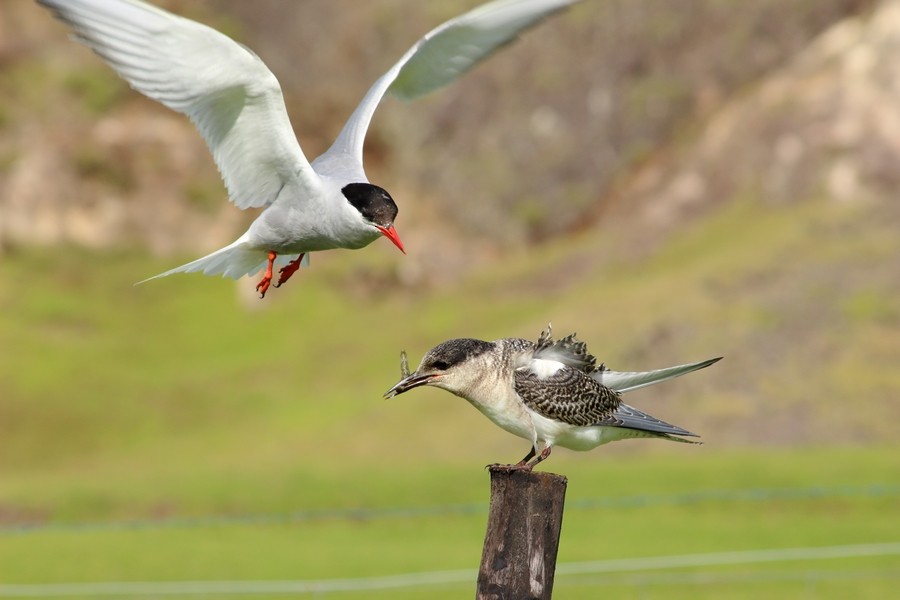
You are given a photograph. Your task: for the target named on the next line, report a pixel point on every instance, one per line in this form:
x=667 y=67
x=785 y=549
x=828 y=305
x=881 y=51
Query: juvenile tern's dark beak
x=407 y=383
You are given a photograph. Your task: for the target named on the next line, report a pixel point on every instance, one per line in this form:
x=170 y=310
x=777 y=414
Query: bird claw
x=263 y=286
x=287 y=270
x=509 y=468
x=525 y=464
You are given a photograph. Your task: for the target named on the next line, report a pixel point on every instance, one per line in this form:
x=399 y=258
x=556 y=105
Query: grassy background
x=631 y=507
x=168 y=431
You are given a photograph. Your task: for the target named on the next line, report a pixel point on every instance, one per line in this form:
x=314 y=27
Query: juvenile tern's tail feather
x=625 y=381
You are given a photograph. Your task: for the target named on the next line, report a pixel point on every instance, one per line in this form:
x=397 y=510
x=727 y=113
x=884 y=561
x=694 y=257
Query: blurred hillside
x=529 y=146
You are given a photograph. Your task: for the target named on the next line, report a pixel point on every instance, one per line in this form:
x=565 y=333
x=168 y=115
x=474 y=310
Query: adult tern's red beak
x=390 y=233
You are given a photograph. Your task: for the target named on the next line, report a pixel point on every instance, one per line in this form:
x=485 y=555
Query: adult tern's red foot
x=263 y=286
x=236 y=103
x=289 y=269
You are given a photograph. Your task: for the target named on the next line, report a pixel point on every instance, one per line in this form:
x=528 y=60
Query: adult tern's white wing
x=445 y=53
x=225 y=89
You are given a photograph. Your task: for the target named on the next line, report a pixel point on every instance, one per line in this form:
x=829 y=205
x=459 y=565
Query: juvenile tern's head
x=450 y=365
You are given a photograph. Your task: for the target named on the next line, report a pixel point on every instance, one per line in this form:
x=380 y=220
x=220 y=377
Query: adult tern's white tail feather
x=623 y=381
x=234 y=260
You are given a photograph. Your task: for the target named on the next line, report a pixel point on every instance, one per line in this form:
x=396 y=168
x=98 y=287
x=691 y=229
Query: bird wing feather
x=631 y=418
x=569 y=351
x=568 y=395
x=438 y=58
x=224 y=88
x=625 y=381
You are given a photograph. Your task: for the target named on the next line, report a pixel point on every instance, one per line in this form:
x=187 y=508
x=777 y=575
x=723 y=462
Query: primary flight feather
x=237 y=105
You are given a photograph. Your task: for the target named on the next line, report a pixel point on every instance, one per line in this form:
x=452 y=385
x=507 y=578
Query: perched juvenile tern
x=550 y=393
x=236 y=103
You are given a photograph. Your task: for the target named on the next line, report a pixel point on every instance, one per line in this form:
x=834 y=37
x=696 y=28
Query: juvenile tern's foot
x=508 y=468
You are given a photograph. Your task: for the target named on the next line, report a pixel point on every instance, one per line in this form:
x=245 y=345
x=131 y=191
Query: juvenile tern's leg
x=542 y=456
x=521 y=465
x=528 y=457
x=289 y=269
x=264 y=283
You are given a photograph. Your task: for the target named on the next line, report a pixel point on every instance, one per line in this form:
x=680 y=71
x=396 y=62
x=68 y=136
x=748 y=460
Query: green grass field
x=683 y=501
x=167 y=433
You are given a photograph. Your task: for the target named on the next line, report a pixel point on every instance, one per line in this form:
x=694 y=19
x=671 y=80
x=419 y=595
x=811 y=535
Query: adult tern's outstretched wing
x=223 y=87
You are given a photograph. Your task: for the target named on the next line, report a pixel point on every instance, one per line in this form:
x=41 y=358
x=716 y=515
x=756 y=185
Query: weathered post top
x=522 y=539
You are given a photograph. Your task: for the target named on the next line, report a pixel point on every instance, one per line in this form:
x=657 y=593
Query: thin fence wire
x=567 y=573
x=708 y=577
x=880 y=490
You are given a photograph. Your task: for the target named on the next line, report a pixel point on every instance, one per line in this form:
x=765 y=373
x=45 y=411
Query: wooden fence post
x=519 y=557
